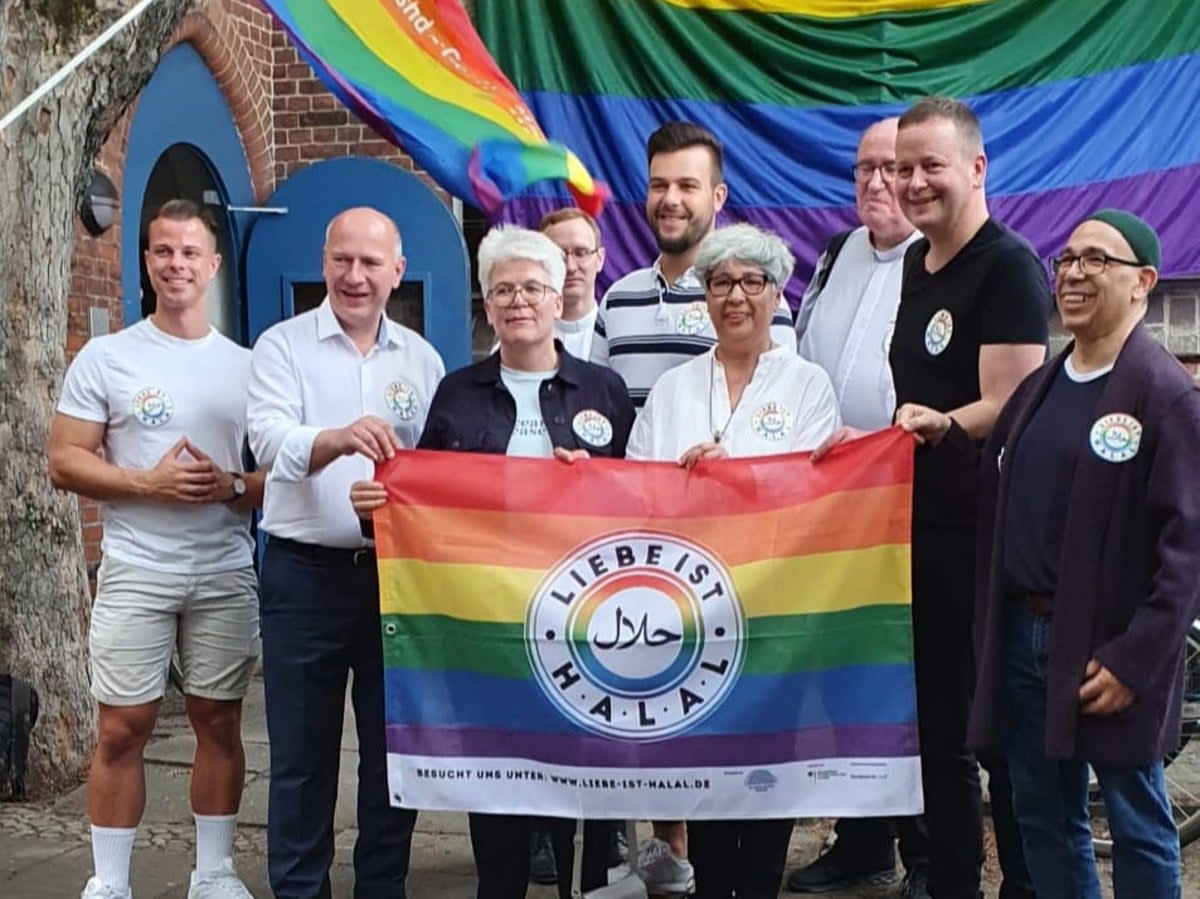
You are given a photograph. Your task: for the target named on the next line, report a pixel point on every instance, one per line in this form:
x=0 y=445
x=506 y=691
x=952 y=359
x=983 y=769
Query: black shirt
x=1041 y=470
x=993 y=291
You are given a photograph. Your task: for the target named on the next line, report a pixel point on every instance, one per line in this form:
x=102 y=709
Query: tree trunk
x=45 y=158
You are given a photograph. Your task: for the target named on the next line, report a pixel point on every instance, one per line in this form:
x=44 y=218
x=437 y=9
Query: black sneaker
x=830 y=872
x=916 y=884
x=618 y=846
x=542 y=868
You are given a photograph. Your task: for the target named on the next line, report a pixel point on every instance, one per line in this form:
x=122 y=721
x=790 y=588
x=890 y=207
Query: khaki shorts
x=140 y=616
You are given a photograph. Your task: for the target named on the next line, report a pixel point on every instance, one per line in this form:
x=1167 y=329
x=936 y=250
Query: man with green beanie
x=1088 y=550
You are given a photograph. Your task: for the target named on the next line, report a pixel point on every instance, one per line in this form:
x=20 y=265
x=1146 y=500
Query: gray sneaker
x=663 y=873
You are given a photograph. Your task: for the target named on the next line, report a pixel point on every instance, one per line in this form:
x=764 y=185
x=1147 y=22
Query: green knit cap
x=1139 y=235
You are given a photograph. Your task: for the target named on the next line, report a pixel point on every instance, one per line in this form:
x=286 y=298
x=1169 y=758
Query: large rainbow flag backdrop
x=417 y=72
x=1084 y=103
x=618 y=639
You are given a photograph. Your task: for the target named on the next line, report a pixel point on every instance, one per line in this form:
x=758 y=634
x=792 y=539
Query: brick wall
x=310 y=124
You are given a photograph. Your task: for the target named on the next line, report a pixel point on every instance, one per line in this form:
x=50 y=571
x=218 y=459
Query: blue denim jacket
x=473 y=412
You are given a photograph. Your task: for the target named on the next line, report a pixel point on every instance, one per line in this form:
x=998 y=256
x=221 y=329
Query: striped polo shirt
x=646 y=326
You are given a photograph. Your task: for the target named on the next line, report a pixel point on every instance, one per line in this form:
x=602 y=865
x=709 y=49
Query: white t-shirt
x=151 y=389
x=788 y=406
x=576 y=336
x=529 y=436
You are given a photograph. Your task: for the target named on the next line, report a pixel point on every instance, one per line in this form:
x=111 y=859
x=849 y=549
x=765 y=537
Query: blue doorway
x=283 y=257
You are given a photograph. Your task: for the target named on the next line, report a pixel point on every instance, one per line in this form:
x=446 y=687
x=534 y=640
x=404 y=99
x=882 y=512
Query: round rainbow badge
x=153 y=407
x=637 y=635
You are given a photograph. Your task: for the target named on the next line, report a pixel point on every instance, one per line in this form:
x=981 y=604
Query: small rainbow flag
x=419 y=75
x=616 y=639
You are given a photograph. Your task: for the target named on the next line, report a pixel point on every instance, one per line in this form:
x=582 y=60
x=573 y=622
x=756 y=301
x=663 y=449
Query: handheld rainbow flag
x=621 y=639
x=1083 y=105
x=419 y=75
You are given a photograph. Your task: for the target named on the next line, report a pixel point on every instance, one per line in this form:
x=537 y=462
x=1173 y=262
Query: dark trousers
x=320 y=621
x=500 y=844
x=867 y=842
x=742 y=859
x=942 y=568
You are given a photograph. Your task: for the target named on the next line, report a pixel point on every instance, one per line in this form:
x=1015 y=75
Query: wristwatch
x=239 y=487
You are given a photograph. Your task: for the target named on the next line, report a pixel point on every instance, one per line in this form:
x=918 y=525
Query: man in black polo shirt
x=972 y=323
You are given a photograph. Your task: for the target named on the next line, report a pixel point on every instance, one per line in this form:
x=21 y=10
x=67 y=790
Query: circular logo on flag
x=401 y=399
x=772 y=421
x=938 y=332
x=153 y=407
x=693 y=319
x=1116 y=437
x=636 y=635
x=592 y=427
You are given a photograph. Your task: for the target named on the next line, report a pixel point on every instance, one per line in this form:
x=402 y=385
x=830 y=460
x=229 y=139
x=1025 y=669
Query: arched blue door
x=283 y=257
x=203 y=128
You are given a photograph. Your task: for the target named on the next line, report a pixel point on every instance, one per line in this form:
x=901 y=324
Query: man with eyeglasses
x=1088 y=574
x=578 y=235
x=845 y=326
x=656 y=318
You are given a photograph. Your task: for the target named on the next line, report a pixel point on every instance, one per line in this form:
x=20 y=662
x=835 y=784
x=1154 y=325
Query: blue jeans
x=1050 y=797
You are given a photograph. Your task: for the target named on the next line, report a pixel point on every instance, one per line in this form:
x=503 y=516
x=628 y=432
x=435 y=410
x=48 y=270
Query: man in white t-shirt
x=165 y=399
x=578 y=235
x=332 y=392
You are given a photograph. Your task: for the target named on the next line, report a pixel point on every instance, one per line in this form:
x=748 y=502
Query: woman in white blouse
x=747 y=396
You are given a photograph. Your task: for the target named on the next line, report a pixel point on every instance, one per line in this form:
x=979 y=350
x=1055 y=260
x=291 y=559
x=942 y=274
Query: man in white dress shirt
x=178 y=557
x=332 y=392
x=578 y=235
x=845 y=325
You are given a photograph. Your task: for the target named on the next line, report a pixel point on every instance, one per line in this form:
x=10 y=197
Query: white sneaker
x=98 y=889
x=663 y=873
x=222 y=883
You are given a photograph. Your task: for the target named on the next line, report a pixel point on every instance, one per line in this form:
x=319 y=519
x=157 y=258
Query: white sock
x=111 y=849
x=214 y=840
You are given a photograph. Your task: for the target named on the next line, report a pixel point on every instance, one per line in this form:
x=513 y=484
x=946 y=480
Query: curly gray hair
x=749 y=245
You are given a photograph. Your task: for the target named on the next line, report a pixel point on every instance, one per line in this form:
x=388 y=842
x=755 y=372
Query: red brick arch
x=233 y=38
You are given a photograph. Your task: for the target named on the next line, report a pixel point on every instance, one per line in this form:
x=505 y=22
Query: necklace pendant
x=717 y=437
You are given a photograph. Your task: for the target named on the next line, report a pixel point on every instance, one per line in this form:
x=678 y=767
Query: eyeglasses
x=865 y=171
x=579 y=254
x=532 y=293
x=1089 y=263
x=752 y=285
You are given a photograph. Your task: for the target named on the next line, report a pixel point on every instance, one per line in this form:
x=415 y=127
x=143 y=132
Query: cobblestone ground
x=441 y=860
x=44 y=850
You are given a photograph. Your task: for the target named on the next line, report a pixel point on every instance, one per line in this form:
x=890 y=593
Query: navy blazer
x=1128 y=588
x=473 y=412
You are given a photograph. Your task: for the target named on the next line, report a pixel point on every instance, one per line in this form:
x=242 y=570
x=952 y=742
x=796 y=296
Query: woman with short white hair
x=747 y=396
x=529 y=398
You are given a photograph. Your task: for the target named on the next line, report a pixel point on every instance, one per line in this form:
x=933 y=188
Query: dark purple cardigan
x=1129 y=579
